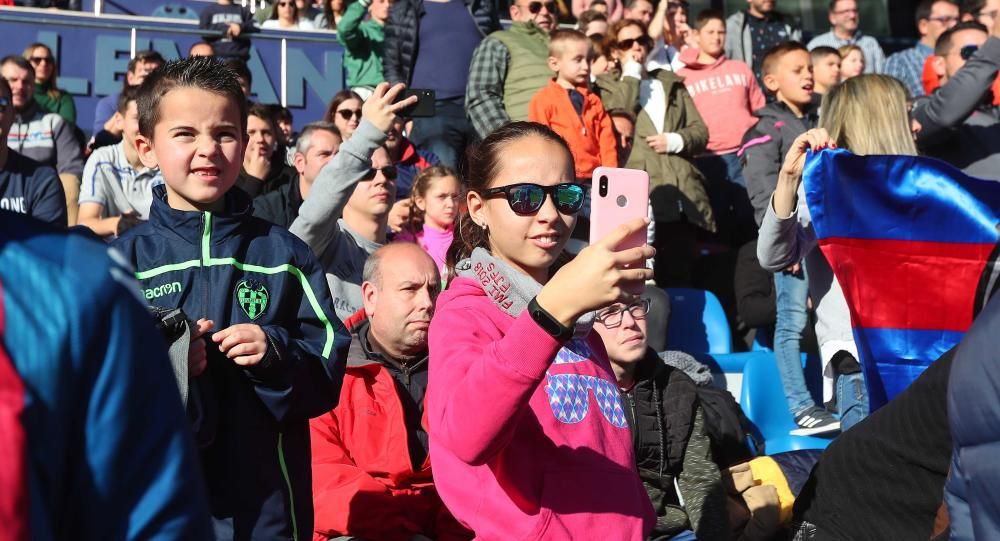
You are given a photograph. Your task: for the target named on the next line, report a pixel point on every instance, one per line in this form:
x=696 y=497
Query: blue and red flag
x=914 y=244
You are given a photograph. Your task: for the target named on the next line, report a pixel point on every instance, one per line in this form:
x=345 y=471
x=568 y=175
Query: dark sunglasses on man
x=535 y=7
x=389 y=172
x=968 y=51
x=526 y=198
x=36 y=60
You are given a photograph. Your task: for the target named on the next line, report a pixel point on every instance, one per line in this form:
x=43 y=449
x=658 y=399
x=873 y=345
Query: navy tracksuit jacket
x=234 y=268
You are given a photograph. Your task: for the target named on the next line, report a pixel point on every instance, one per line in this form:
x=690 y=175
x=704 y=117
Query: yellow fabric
x=767 y=472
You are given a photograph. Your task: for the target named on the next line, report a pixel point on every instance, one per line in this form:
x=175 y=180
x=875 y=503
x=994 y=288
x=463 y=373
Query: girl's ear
x=420 y=203
x=477 y=208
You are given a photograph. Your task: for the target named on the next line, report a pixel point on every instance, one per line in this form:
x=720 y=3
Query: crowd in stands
x=385 y=318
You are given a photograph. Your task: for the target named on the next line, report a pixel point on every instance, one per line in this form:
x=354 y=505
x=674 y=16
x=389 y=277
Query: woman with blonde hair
x=867 y=114
x=47 y=94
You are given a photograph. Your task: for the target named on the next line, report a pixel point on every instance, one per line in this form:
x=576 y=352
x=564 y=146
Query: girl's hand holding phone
x=600 y=275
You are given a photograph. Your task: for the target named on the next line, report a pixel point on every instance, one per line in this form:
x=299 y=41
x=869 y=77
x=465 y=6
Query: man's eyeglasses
x=944 y=19
x=846 y=11
x=36 y=60
x=612 y=316
x=389 y=172
x=535 y=7
x=348 y=114
x=526 y=198
x=627 y=44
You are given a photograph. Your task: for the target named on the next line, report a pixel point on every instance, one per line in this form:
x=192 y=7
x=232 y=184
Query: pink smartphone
x=618 y=196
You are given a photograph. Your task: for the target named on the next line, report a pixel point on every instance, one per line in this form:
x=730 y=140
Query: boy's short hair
x=202 y=72
x=776 y=53
x=822 y=52
x=630 y=4
x=559 y=38
x=282 y=113
x=597 y=3
x=706 y=15
x=127 y=95
x=264 y=112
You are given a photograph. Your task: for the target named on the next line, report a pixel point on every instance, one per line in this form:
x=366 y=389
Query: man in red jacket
x=371 y=472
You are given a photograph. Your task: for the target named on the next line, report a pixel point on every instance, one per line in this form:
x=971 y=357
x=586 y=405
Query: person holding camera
x=519 y=448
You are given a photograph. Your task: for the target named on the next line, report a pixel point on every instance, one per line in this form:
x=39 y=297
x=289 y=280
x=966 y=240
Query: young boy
x=826 y=69
x=726 y=94
x=568 y=107
x=235 y=22
x=277 y=357
x=787 y=73
x=117 y=189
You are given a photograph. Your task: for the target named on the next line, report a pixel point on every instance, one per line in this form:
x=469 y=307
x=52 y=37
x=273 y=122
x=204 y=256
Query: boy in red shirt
x=568 y=106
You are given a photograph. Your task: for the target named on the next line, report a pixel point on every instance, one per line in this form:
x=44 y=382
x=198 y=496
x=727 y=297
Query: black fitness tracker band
x=548 y=323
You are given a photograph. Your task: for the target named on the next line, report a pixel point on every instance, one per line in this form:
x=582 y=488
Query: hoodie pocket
x=591 y=504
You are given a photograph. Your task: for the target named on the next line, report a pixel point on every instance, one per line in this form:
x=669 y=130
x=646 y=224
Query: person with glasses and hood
x=528 y=435
x=510 y=66
x=959 y=123
x=345 y=218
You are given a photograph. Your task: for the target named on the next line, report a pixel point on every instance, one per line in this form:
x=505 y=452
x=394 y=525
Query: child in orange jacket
x=568 y=106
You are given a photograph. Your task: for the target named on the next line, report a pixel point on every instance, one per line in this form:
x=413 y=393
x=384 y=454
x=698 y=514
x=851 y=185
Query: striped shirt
x=874 y=57
x=908 y=66
x=110 y=181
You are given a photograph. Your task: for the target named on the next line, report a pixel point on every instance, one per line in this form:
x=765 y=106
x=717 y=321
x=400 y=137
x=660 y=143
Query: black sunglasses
x=389 y=172
x=644 y=41
x=36 y=60
x=526 y=198
x=348 y=114
x=535 y=7
x=967 y=51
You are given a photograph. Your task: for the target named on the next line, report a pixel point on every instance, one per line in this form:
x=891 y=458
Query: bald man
x=371 y=473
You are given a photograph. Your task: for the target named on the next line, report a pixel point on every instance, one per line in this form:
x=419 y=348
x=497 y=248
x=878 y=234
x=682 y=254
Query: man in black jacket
x=317 y=144
x=673 y=451
x=429 y=45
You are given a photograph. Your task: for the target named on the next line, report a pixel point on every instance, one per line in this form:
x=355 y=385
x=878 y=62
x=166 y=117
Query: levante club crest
x=253 y=297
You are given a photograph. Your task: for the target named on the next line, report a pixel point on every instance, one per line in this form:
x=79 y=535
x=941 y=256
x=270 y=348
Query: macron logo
x=165 y=289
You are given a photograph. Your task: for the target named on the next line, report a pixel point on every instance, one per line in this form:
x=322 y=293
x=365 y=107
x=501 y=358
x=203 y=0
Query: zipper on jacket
x=206 y=238
x=635 y=418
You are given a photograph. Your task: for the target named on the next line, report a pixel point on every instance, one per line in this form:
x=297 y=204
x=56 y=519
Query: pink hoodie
x=434 y=241
x=726 y=94
x=528 y=439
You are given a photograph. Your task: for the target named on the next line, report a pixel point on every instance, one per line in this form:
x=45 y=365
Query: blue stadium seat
x=698 y=324
x=763 y=402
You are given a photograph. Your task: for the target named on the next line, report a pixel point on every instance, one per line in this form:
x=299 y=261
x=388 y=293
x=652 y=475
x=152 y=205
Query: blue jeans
x=446 y=133
x=792 y=292
x=852 y=399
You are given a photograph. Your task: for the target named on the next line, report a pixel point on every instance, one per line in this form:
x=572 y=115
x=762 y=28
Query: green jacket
x=528 y=71
x=62 y=104
x=362 y=41
x=676 y=185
